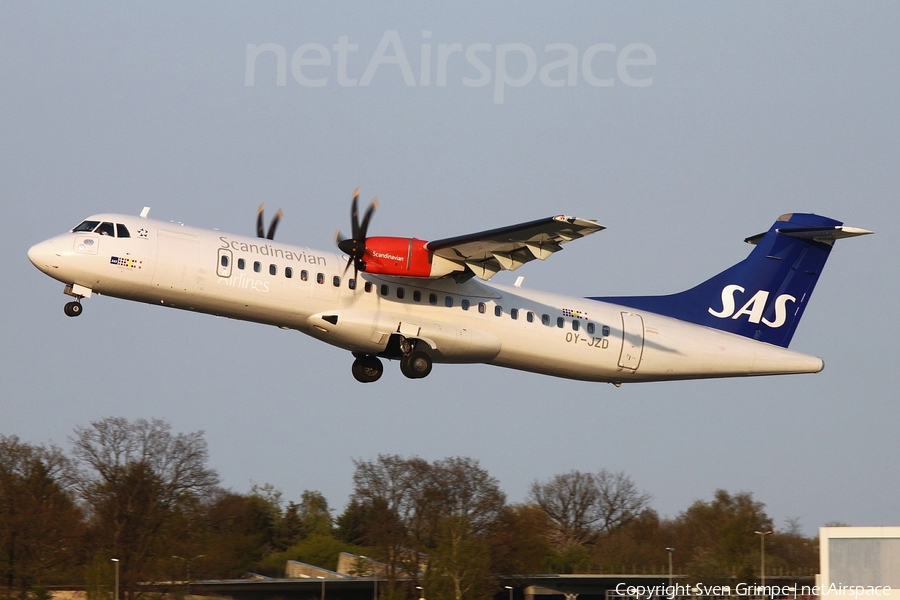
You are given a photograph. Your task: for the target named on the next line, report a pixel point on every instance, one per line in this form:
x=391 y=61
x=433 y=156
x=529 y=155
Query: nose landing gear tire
x=416 y=365
x=367 y=369
x=72 y=309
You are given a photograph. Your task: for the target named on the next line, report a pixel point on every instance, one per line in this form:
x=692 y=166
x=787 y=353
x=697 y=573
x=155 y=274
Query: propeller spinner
x=355 y=246
x=272 y=226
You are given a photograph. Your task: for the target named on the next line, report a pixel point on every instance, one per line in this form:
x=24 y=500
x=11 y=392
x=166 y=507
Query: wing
x=508 y=248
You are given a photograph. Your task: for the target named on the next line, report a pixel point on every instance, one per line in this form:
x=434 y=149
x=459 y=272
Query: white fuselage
x=472 y=322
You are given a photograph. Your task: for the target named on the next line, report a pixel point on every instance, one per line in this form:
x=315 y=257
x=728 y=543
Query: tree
x=135 y=478
x=583 y=506
x=570 y=502
x=719 y=536
x=40 y=523
x=460 y=562
x=519 y=541
x=400 y=507
x=314 y=514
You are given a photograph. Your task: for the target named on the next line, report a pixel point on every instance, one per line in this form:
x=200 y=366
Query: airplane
x=424 y=302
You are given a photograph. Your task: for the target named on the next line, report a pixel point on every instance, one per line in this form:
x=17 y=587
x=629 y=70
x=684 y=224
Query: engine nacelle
x=404 y=257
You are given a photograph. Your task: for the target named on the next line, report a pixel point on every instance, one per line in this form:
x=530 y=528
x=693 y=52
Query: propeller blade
x=271 y=234
x=354 y=215
x=259 y=220
x=366 y=218
x=355 y=246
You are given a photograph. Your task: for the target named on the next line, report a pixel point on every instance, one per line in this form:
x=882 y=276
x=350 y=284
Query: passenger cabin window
x=401 y=293
x=432 y=299
x=273 y=270
x=288 y=272
x=336 y=281
x=465 y=304
x=530 y=317
x=320 y=278
x=257 y=266
x=241 y=264
x=385 y=289
x=575 y=325
x=86 y=226
x=514 y=313
x=417 y=296
x=304 y=275
x=106 y=229
x=498 y=311
x=448 y=301
x=351 y=283
x=368 y=287
x=605 y=330
x=545 y=319
x=224 y=260
x=481 y=307
x=122 y=231
x=590 y=328
x=560 y=321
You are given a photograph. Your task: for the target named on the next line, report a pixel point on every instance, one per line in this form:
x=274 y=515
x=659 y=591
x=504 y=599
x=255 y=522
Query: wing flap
x=488 y=252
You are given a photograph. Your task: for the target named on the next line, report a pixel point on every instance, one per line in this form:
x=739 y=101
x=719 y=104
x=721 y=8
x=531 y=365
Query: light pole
x=116 y=560
x=509 y=587
x=762 y=557
x=323 y=585
x=670 y=551
x=421 y=592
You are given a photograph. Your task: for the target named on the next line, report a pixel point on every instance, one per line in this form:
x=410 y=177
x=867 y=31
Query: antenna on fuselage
x=145 y=212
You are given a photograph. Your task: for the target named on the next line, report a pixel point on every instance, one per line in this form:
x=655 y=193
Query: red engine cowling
x=402 y=257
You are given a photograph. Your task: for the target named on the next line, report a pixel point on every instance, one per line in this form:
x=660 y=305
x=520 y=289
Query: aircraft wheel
x=72 y=309
x=367 y=369
x=416 y=365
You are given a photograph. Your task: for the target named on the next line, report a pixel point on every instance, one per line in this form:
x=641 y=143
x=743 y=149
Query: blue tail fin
x=763 y=296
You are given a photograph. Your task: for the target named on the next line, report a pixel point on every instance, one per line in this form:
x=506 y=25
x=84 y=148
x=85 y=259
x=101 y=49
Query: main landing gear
x=73 y=309
x=415 y=365
x=368 y=368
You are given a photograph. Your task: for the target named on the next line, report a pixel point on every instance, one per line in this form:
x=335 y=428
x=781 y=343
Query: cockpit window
x=86 y=226
x=122 y=231
x=106 y=229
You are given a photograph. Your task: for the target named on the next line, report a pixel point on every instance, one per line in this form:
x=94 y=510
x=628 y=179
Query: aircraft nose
x=41 y=255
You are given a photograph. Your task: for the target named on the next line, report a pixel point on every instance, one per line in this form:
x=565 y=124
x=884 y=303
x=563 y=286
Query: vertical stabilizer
x=762 y=297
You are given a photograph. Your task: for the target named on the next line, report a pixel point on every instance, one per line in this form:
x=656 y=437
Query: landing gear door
x=632 y=341
x=223 y=266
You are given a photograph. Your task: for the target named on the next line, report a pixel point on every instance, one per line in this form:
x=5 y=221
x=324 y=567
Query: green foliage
x=719 y=536
x=40 y=593
x=317 y=549
x=99 y=577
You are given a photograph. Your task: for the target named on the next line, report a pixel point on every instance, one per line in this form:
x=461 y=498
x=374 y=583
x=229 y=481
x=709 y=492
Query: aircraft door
x=632 y=341
x=223 y=267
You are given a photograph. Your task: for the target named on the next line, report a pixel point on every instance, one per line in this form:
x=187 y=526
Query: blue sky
x=742 y=112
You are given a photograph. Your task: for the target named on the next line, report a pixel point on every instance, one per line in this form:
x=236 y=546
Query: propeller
x=272 y=226
x=355 y=246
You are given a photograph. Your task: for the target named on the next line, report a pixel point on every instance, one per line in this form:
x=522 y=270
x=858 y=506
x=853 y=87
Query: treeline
x=136 y=491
